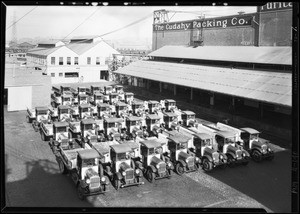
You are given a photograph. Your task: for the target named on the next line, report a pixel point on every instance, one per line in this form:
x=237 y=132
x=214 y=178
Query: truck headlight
x=137 y=171
x=103 y=179
x=88 y=181
x=70 y=140
x=221 y=156
x=197 y=159
x=244 y=154
x=269 y=149
x=157 y=166
x=98 y=136
x=123 y=173
x=59 y=140
x=88 y=137
x=169 y=164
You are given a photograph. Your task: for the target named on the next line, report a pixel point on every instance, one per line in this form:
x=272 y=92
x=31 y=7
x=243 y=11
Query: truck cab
x=170 y=120
x=82 y=99
x=120 y=91
x=234 y=152
x=30 y=115
x=153 y=106
x=121 y=109
x=41 y=114
x=133 y=127
x=60 y=136
x=88 y=131
x=81 y=90
x=112 y=128
x=63 y=112
x=258 y=148
x=103 y=110
x=98 y=98
x=108 y=89
x=169 y=104
x=137 y=107
x=183 y=160
x=154 y=164
x=65 y=89
x=85 y=111
x=188 y=118
x=210 y=157
x=123 y=170
x=53 y=114
x=153 y=122
x=128 y=96
x=95 y=89
x=74 y=94
x=113 y=98
x=66 y=99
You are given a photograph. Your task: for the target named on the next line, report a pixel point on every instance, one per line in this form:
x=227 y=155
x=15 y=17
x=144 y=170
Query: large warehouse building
x=84 y=59
x=239 y=64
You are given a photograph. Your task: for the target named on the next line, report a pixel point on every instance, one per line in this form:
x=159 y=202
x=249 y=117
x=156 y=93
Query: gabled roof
x=129 y=93
x=249 y=54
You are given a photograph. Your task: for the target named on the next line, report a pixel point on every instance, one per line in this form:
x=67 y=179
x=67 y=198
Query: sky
x=59 y=22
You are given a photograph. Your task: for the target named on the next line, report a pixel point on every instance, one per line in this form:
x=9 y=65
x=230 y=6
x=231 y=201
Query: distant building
x=84 y=59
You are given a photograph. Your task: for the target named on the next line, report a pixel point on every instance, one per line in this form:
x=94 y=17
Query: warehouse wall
x=162 y=38
x=41 y=95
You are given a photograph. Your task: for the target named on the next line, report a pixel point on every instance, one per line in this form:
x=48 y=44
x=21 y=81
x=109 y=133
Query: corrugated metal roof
x=271 y=87
x=43 y=51
x=248 y=54
x=81 y=48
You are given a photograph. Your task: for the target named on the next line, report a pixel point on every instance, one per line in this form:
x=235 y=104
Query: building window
x=52 y=60
x=68 y=60
x=71 y=74
x=88 y=60
x=97 y=60
x=52 y=74
x=61 y=74
x=75 y=60
x=61 y=62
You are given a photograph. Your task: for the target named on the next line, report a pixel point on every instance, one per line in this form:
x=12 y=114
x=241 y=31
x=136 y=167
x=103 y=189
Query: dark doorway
x=104 y=75
x=5 y=97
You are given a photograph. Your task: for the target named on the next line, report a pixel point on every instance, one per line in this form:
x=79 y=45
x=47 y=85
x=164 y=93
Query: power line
x=21 y=18
x=83 y=22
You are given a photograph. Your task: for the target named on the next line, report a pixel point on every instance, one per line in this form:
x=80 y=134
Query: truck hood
x=155 y=160
x=183 y=156
x=257 y=143
x=90 y=173
x=124 y=166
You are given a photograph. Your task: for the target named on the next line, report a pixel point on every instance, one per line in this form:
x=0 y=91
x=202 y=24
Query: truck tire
x=150 y=175
x=62 y=167
x=179 y=169
x=117 y=183
x=256 y=156
x=80 y=192
x=207 y=165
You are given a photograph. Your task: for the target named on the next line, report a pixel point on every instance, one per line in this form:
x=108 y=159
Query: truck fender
x=232 y=154
x=182 y=162
x=82 y=184
x=139 y=165
x=118 y=175
x=256 y=149
x=246 y=153
x=152 y=168
x=207 y=157
x=101 y=173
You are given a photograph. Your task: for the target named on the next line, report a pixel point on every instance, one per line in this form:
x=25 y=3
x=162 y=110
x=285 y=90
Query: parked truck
x=41 y=114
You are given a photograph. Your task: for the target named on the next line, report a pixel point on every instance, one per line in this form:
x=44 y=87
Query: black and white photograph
x=143 y=106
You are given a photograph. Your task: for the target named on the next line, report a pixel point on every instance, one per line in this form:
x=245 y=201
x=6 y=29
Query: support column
x=175 y=90
x=261 y=110
x=160 y=87
x=212 y=99
x=192 y=93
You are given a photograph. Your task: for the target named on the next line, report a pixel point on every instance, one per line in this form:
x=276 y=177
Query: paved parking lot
x=33 y=180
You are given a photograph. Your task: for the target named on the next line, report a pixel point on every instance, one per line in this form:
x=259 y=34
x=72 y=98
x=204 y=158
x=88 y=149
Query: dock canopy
x=263 y=86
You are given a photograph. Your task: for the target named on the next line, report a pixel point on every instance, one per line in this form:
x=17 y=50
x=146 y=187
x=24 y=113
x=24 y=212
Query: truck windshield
x=207 y=142
x=42 y=112
x=133 y=123
x=182 y=145
x=67 y=99
x=191 y=116
x=103 y=109
x=64 y=111
x=82 y=89
x=253 y=136
x=66 y=89
x=88 y=126
x=85 y=109
x=61 y=129
x=121 y=156
x=229 y=140
x=111 y=125
x=98 y=97
x=89 y=162
x=121 y=108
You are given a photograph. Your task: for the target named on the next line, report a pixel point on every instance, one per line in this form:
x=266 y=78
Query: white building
x=82 y=60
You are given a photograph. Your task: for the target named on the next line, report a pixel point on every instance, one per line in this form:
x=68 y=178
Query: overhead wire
x=21 y=18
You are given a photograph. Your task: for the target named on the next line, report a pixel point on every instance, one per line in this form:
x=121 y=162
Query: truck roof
x=170 y=101
x=104 y=147
x=98 y=93
x=41 y=108
x=63 y=107
x=88 y=154
x=128 y=93
x=179 y=138
x=60 y=124
x=120 y=104
x=225 y=134
x=133 y=118
x=131 y=143
x=121 y=148
x=114 y=93
x=153 y=116
x=67 y=95
x=151 y=143
x=203 y=135
x=170 y=114
x=108 y=86
x=103 y=105
x=153 y=102
x=188 y=112
x=85 y=105
x=137 y=102
x=82 y=95
x=88 y=121
x=250 y=130
x=113 y=120
x=119 y=86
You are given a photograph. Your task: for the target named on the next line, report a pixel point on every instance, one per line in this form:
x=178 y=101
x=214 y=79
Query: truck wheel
x=150 y=175
x=207 y=165
x=230 y=161
x=62 y=168
x=117 y=184
x=80 y=193
x=256 y=156
x=179 y=169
